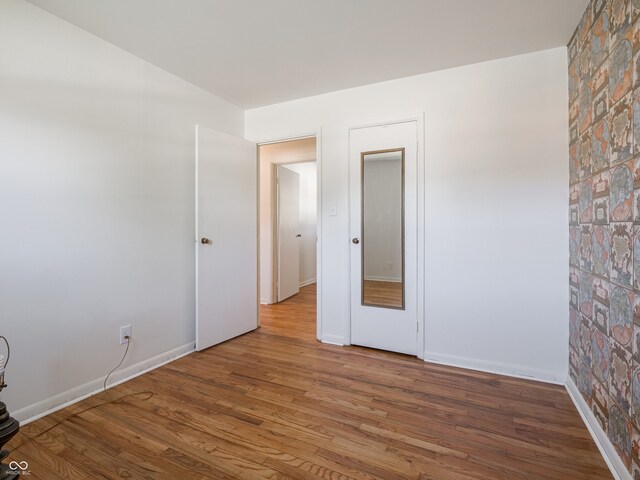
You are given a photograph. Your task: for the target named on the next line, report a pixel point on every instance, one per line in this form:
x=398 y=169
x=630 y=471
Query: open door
x=226 y=237
x=288 y=233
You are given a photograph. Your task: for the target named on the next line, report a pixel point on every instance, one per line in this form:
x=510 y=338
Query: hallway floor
x=275 y=403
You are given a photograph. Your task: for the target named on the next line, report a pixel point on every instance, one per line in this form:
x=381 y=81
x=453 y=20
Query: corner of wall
x=618 y=469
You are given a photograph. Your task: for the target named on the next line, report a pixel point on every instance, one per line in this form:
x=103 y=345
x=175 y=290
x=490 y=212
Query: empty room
x=320 y=239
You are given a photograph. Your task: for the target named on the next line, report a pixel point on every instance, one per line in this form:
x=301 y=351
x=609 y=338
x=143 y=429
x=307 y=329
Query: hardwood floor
x=275 y=403
x=383 y=293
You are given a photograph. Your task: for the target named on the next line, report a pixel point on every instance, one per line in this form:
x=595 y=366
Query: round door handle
x=205 y=241
x=356 y=241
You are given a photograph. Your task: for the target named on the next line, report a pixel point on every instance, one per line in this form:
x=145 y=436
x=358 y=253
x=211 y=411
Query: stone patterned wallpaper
x=604 y=219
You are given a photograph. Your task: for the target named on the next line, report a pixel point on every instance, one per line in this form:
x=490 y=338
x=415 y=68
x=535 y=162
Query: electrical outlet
x=125 y=332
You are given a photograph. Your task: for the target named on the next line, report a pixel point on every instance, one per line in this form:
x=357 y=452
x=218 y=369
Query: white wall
x=302 y=150
x=96 y=207
x=308 y=219
x=496 y=193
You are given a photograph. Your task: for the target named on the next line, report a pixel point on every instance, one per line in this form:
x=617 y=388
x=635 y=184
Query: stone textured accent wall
x=604 y=219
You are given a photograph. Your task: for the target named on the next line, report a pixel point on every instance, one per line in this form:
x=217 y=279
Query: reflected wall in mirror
x=382 y=229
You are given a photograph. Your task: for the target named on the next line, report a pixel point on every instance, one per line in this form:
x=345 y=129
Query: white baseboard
x=57 y=402
x=618 y=470
x=264 y=301
x=333 y=339
x=378 y=278
x=516 y=371
x=307 y=282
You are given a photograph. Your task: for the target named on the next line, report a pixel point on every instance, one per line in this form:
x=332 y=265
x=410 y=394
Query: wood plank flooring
x=275 y=403
x=383 y=293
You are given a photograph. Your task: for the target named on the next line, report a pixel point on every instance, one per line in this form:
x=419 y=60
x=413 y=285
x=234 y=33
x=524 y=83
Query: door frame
x=419 y=118
x=287 y=138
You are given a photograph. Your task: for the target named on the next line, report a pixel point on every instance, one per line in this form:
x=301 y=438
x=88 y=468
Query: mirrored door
x=382 y=230
x=383 y=191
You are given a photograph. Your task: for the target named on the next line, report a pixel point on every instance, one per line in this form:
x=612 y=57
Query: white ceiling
x=258 y=52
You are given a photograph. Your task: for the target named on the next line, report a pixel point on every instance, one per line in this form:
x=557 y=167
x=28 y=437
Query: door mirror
x=382 y=230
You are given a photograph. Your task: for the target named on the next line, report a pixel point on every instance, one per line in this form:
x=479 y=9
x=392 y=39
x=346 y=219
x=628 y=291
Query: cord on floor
x=111 y=401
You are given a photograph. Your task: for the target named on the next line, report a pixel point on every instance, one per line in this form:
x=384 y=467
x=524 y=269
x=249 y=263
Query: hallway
x=295 y=317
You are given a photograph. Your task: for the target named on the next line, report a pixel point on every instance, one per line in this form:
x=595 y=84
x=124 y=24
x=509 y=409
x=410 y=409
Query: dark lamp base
x=8 y=428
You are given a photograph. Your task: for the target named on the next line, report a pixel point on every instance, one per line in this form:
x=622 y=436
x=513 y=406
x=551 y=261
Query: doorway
x=289 y=223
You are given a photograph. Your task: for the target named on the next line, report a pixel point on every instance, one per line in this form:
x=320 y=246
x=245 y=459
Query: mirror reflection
x=383 y=228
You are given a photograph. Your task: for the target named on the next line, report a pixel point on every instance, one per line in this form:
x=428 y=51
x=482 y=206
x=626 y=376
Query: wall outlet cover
x=125 y=331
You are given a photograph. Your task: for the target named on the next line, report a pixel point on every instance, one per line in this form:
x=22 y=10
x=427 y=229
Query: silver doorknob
x=205 y=241
x=356 y=241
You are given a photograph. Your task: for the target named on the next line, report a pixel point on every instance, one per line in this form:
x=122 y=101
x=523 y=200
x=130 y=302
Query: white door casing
x=226 y=237
x=385 y=328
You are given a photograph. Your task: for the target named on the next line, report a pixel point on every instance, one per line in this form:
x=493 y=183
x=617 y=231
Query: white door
x=226 y=236
x=383 y=192
x=288 y=233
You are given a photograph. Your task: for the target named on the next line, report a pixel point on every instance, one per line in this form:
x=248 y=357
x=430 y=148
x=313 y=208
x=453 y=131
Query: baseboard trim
x=307 y=282
x=377 y=278
x=62 y=400
x=333 y=339
x=515 y=371
x=618 y=470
